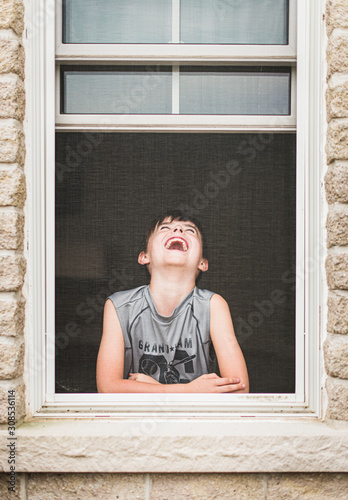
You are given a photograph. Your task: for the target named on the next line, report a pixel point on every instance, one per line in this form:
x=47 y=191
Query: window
x=183 y=104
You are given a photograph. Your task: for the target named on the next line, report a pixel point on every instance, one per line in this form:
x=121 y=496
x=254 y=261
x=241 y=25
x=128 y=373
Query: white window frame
x=172 y=54
x=42 y=116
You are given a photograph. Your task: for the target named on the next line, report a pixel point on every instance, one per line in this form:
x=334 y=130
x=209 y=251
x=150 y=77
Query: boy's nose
x=178 y=228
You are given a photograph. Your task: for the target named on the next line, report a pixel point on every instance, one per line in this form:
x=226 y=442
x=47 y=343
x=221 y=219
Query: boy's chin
x=177 y=261
x=176 y=255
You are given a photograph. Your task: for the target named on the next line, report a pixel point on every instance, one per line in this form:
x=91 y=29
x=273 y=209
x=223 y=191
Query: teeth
x=179 y=240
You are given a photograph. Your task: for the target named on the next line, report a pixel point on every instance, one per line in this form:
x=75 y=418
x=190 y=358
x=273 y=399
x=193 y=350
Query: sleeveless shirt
x=171 y=349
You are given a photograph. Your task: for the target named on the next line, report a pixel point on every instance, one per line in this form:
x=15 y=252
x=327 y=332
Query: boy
x=156 y=338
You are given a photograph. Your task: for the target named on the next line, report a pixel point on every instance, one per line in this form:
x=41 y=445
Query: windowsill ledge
x=192 y=445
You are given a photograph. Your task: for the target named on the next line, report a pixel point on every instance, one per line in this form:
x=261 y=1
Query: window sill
x=191 y=445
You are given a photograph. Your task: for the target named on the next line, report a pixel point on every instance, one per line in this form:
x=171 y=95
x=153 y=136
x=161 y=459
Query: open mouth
x=176 y=243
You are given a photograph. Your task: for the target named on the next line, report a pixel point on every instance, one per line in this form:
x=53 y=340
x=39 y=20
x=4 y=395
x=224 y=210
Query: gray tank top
x=171 y=349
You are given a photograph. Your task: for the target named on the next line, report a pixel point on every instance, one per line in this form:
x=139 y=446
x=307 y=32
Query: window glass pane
x=117 y=21
x=235 y=91
x=116 y=89
x=234 y=21
x=203 y=90
x=242 y=187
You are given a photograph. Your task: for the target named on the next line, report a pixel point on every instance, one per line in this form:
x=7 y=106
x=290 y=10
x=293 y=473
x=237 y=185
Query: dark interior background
x=242 y=187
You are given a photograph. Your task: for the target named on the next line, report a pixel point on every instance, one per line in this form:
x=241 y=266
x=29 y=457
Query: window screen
x=240 y=186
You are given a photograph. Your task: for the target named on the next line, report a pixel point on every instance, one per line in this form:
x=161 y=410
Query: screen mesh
x=242 y=189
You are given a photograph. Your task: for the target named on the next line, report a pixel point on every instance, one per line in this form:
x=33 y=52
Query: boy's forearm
x=133 y=386
x=209 y=383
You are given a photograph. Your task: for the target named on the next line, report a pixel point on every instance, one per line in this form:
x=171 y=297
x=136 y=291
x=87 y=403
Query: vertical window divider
x=175 y=69
x=175 y=90
x=175 y=21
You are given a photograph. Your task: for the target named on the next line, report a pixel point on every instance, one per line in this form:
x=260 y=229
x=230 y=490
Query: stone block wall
x=179 y=487
x=182 y=487
x=336 y=185
x=12 y=199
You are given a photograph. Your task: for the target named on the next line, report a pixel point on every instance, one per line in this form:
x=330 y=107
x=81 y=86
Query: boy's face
x=175 y=243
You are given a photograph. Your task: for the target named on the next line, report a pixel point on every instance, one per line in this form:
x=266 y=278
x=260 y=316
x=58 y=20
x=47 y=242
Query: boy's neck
x=169 y=290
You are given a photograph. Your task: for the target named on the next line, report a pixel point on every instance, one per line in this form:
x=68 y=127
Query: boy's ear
x=143 y=259
x=203 y=265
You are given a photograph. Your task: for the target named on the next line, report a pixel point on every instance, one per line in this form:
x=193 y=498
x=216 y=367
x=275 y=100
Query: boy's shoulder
x=128 y=296
x=202 y=293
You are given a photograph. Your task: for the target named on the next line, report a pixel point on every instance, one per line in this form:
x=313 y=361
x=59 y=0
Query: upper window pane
x=117 y=21
x=250 y=22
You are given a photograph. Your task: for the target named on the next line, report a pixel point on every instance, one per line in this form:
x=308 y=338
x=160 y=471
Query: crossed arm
x=234 y=375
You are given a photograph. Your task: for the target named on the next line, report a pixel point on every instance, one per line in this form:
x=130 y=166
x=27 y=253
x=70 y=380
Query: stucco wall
x=12 y=304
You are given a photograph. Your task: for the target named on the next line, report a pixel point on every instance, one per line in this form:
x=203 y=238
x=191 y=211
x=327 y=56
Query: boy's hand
x=212 y=383
x=141 y=377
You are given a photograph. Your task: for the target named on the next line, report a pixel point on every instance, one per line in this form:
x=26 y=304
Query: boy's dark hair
x=173 y=215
